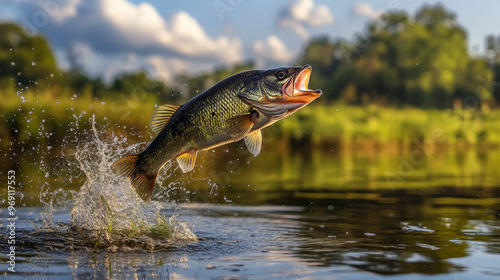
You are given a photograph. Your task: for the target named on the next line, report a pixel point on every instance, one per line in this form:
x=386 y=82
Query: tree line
x=420 y=60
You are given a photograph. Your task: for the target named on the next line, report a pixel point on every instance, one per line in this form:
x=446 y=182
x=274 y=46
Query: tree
x=326 y=57
x=493 y=56
x=23 y=58
x=399 y=59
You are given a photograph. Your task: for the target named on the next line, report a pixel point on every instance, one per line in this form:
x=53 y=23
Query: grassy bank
x=377 y=127
x=40 y=118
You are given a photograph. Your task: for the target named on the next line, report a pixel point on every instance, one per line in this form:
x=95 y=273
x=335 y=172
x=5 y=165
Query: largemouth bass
x=235 y=108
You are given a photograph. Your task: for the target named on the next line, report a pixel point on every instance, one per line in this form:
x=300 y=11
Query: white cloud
x=139 y=25
x=142 y=26
x=166 y=68
x=365 y=10
x=304 y=13
x=58 y=10
x=117 y=28
x=188 y=37
x=271 y=52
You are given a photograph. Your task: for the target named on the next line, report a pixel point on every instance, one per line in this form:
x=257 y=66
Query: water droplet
x=337 y=110
x=102 y=103
x=51 y=75
x=12 y=63
x=33 y=63
x=19 y=73
x=74 y=95
x=10 y=49
x=58 y=102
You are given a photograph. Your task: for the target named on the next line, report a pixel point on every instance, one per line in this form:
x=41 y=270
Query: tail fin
x=143 y=182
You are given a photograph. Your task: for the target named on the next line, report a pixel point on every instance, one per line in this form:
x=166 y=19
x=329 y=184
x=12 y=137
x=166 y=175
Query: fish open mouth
x=294 y=95
x=296 y=88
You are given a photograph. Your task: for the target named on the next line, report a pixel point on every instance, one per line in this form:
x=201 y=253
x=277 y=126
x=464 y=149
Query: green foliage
x=373 y=126
x=330 y=62
x=493 y=56
x=110 y=214
x=399 y=60
x=25 y=59
x=140 y=85
x=161 y=229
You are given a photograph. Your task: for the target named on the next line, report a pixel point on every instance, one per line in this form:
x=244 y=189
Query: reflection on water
x=292 y=214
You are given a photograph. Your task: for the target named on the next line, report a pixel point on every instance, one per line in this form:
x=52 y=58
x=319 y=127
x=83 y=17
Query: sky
x=166 y=38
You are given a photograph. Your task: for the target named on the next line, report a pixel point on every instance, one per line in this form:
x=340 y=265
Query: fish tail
x=143 y=182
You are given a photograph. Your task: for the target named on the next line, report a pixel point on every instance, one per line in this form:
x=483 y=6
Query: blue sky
x=171 y=37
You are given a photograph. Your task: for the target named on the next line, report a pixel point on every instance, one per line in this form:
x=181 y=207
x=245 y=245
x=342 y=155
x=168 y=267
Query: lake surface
x=287 y=214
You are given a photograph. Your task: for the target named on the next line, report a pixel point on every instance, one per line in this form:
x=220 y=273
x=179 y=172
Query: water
x=109 y=203
x=287 y=214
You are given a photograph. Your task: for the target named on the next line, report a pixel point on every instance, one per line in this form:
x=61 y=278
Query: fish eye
x=280 y=74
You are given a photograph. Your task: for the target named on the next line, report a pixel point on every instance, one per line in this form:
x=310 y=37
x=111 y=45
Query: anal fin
x=254 y=142
x=187 y=160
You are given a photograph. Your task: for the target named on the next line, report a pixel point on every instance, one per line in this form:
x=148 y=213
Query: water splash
x=108 y=203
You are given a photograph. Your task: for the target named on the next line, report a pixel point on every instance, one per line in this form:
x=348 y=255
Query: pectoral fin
x=161 y=116
x=186 y=161
x=254 y=142
x=240 y=126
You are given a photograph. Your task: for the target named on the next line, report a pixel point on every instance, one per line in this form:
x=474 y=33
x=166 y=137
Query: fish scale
x=219 y=115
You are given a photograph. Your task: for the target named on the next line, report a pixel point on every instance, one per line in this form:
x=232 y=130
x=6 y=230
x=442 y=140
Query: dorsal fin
x=161 y=116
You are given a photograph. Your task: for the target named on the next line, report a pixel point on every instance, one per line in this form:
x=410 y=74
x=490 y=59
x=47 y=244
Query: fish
x=233 y=109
